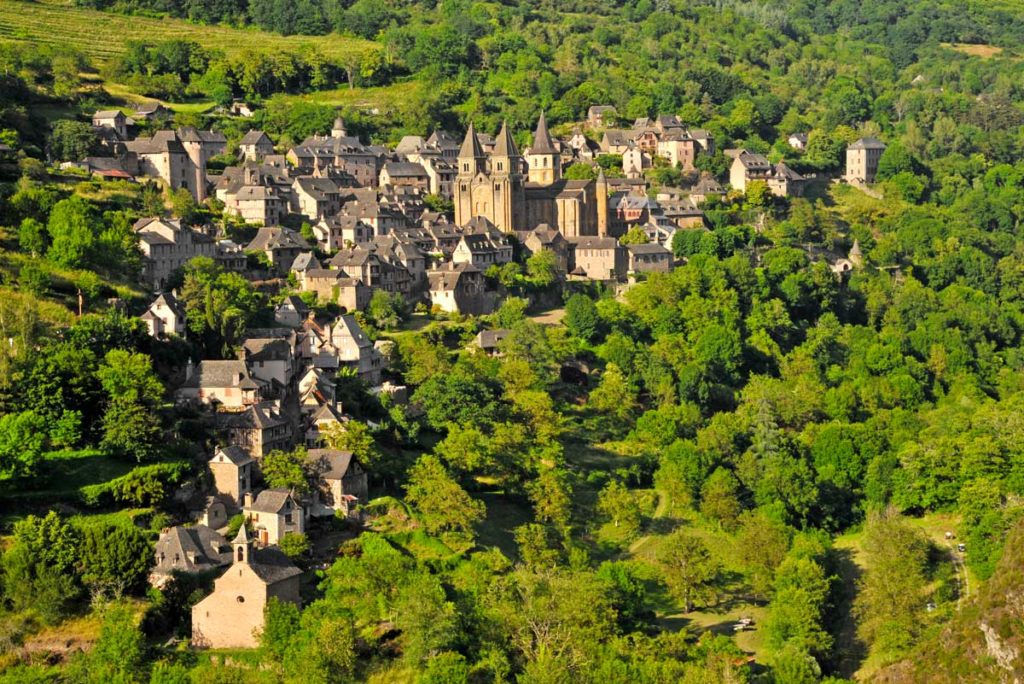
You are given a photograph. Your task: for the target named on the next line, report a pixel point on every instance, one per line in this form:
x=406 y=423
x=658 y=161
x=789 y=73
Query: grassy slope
x=102 y=35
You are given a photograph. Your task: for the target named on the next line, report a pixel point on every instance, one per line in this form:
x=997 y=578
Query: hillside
x=984 y=642
x=103 y=35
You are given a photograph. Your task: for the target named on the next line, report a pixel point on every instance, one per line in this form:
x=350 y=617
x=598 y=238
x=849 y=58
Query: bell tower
x=507 y=178
x=545 y=162
x=471 y=162
x=602 y=204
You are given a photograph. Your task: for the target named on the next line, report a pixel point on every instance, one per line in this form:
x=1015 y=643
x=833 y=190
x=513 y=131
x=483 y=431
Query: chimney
x=189 y=369
x=247 y=500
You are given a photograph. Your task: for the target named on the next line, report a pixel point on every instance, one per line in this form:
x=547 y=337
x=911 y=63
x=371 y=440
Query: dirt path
x=962 y=578
x=660 y=511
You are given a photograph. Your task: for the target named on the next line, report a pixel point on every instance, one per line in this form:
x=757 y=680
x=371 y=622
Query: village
x=368 y=227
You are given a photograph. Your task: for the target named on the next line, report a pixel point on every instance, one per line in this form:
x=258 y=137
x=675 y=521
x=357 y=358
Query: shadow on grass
x=850 y=651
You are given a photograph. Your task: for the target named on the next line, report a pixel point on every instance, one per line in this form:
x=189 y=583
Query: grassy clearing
x=503 y=516
x=382 y=98
x=102 y=36
x=975 y=49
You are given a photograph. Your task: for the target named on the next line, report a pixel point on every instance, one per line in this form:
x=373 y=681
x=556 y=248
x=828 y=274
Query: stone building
x=232 y=616
x=862 y=160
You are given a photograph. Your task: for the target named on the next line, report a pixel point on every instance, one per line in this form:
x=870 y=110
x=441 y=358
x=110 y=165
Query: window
x=240 y=599
x=241 y=553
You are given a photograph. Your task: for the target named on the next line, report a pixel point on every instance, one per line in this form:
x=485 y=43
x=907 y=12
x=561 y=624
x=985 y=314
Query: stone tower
x=471 y=164
x=490 y=187
x=338 y=129
x=544 y=161
x=242 y=547
x=602 y=204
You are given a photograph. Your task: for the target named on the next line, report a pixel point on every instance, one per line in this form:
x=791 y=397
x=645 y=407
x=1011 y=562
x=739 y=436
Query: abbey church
x=516 y=193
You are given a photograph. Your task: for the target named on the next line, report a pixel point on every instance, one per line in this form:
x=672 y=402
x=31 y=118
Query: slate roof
x=489 y=339
x=505 y=146
x=236 y=454
x=593 y=242
x=254 y=137
x=221 y=374
x=271 y=565
x=648 y=248
x=542 y=143
x=276 y=237
x=331 y=464
x=868 y=143
x=471 y=145
x=190 y=549
x=271 y=501
x=405 y=170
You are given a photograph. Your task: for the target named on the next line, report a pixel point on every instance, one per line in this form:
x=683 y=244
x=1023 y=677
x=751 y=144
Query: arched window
x=241 y=553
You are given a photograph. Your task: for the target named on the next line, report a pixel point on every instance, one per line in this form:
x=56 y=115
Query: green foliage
x=115 y=559
x=218 y=304
x=39 y=567
x=130 y=423
x=688 y=569
x=441 y=503
x=581 y=317
x=295 y=545
x=22 y=440
x=286 y=470
x=634 y=236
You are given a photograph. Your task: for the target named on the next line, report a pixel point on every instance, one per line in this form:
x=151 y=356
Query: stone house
x=615 y=141
x=163 y=156
x=165 y=317
x=166 y=245
x=746 y=167
x=273 y=514
x=281 y=245
x=705 y=188
x=255 y=194
x=862 y=160
x=635 y=161
x=355 y=350
x=479 y=250
x=599 y=115
x=335 y=285
x=271 y=360
x=489 y=341
x=114 y=119
x=404 y=174
x=226 y=384
x=458 y=288
x=200 y=146
x=648 y=258
x=341 y=482
x=291 y=312
x=341 y=230
x=798 y=141
x=255 y=145
x=315 y=198
x=232 y=616
x=546 y=237
x=785 y=182
x=259 y=428
x=598 y=258
x=232 y=470
x=679 y=149
x=189 y=550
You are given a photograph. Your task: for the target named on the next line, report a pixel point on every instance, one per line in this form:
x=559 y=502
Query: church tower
x=545 y=163
x=471 y=162
x=602 y=204
x=507 y=179
x=242 y=546
x=338 y=129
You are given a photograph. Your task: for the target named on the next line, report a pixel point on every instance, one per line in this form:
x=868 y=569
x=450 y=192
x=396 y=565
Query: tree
x=719 y=498
x=71 y=140
x=22 y=441
x=634 y=236
x=72 y=227
x=385 y=309
x=551 y=495
x=581 y=317
x=428 y=620
x=295 y=545
x=40 y=566
x=355 y=437
x=762 y=543
x=441 y=503
x=511 y=311
x=688 y=568
x=286 y=470
x=115 y=559
x=620 y=507
x=32 y=237
x=218 y=304
x=131 y=424
x=119 y=653
x=542 y=267
x=890 y=597
x=614 y=395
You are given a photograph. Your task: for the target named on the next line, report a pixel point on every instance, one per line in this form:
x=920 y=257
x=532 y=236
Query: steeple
x=505 y=146
x=544 y=161
x=855 y=256
x=338 y=129
x=242 y=546
x=542 y=143
x=471 y=155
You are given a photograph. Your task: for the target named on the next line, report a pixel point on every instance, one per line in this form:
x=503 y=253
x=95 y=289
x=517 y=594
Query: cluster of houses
x=371 y=229
x=280 y=393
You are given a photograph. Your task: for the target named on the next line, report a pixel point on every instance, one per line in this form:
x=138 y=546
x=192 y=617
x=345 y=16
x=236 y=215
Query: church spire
x=542 y=143
x=242 y=545
x=471 y=145
x=505 y=146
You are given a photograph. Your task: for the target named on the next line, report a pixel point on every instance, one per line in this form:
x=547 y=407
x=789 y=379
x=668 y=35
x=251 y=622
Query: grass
x=503 y=516
x=102 y=36
x=975 y=49
x=383 y=98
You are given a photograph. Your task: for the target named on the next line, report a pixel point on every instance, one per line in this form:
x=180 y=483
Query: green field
x=102 y=35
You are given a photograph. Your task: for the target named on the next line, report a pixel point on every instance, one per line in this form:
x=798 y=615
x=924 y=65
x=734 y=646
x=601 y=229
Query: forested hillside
x=794 y=456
